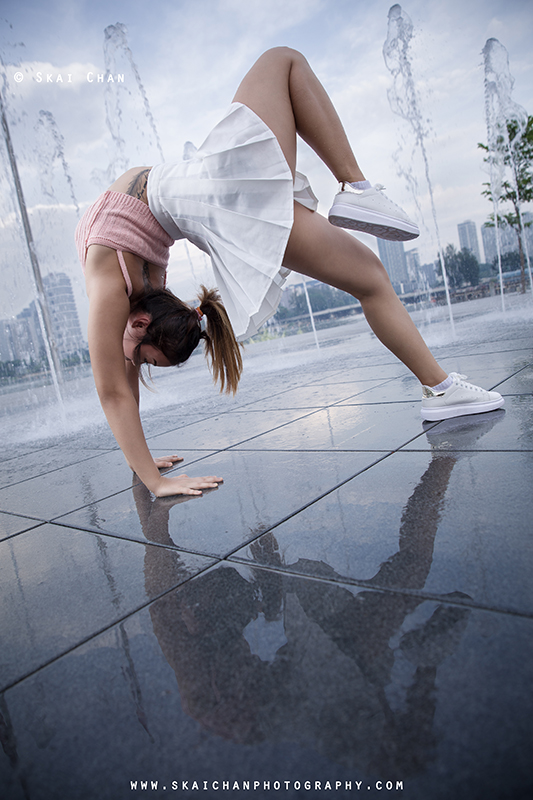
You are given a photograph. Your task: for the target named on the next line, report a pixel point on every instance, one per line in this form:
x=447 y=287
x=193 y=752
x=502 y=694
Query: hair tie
x=201 y=318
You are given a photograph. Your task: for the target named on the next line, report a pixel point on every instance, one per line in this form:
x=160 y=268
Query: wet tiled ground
x=350 y=613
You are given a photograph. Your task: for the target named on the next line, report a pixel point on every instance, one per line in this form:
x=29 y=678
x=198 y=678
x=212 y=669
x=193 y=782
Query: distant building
x=393 y=257
x=6 y=348
x=468 y=238
x=21 y=338
x=508 y=242
x=429 y=274
x=412 y=258
x=26 y=337
x=64 y=314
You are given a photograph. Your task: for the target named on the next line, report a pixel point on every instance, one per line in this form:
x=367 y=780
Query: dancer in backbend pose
x=240 y=200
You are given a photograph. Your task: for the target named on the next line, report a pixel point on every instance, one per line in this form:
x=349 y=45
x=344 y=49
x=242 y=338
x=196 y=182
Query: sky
x=182 y=61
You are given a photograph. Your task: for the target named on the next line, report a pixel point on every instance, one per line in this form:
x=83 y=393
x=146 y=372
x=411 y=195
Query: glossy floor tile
x=59 y=586
x=10 y=524
x=357 y=427
x=248 y=675
x=23 y=467
x=65 y=489
x=219 y=431
x=438 y=522
x=316 y=395
x=507 y=428
x=351 y=607
x=252 y=498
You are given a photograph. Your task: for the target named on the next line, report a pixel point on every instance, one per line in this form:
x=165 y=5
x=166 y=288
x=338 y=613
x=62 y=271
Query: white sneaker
x=370 y=211
x=459 y=399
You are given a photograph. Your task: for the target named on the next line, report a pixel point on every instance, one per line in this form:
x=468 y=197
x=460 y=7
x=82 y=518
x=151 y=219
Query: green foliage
x=462 y=267
x=518 y=157
x=510 y=262
x=9 y=369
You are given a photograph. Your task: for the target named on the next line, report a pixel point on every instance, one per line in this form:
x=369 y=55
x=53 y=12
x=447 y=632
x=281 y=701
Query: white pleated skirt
x=233 y=198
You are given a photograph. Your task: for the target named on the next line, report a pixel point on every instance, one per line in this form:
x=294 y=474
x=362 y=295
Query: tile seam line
x=226 y=560
x=467 y=450
x=232 y=447
x=329 y=451
x=38 y=524
x=173 y=548
x=250 y=438
x=101 y=499
x=314 y=410
x=387 y=454
x=306 y=505
x=361 y=583
x=222 y=413
x=56 y=469
x=326 y=450
x=513 y=375
x=105 y=628
x=228 y=554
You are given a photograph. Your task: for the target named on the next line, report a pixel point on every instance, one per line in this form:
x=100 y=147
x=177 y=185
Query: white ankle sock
x=441 y=387
x=361 y=185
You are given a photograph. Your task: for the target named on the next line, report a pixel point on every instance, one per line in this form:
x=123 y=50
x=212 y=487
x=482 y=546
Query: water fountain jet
x=403 y=100
x=43 y=312
x=500 y=111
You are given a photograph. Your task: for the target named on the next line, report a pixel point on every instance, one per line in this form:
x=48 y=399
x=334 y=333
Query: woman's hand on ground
x=162 y=462
x=182 y=484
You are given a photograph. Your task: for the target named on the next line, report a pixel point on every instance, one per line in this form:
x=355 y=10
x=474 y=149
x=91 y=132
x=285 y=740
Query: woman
x=234 y=198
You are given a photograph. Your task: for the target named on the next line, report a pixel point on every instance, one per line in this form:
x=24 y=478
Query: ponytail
x=222 y=348
x=176 y=330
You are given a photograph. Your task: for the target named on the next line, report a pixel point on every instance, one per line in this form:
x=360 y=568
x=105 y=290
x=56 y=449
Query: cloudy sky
x=182 y=61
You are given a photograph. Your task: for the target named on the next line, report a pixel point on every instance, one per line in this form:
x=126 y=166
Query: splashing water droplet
x=51 y=148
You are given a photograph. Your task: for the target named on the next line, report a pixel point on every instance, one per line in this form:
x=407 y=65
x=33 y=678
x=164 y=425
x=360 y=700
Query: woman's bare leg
x=334 y=256
x=283 y=91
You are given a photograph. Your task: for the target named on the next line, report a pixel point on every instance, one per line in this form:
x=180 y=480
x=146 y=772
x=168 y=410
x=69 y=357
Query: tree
x=509 y=261
x=321 y=297
x=519 y=158
x=461 y=266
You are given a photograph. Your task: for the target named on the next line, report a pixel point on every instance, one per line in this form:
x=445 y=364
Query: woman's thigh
x=331 y=255
x=265 y=89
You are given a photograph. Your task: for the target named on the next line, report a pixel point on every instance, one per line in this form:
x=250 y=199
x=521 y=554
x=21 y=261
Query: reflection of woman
x=234 y=199
x=206 y=630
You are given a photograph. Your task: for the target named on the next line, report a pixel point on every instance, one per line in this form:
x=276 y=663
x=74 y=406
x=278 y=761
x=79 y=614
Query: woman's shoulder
x=133 y=183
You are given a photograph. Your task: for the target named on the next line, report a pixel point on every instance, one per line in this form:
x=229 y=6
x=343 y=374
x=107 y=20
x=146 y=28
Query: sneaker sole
x=461 y=410
x=369 y=222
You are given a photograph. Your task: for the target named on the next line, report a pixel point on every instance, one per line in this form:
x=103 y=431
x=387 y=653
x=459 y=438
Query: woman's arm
x=132 y=374
x=109 y=309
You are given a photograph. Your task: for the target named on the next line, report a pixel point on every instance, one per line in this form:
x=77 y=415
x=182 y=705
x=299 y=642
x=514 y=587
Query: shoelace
x=461 y=381
x=346 y=187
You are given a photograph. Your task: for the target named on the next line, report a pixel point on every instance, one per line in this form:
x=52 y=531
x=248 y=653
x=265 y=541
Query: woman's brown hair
x=176 y=330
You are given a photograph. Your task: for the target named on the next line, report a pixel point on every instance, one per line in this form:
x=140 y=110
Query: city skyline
x=69 y=132
x=21 y=337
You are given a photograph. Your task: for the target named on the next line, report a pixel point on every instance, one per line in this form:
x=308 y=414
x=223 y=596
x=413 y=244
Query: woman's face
x=133 y=334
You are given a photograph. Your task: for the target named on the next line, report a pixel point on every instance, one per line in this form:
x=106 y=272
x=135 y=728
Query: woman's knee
x=376 y=283
x=283 y=55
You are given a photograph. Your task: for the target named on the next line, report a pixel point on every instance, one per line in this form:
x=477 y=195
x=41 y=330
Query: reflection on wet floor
x=254 y=654
x=352 y=604
x=216 y=632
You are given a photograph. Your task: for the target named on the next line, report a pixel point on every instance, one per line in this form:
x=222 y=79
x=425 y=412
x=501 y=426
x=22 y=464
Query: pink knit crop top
x=122 y=222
